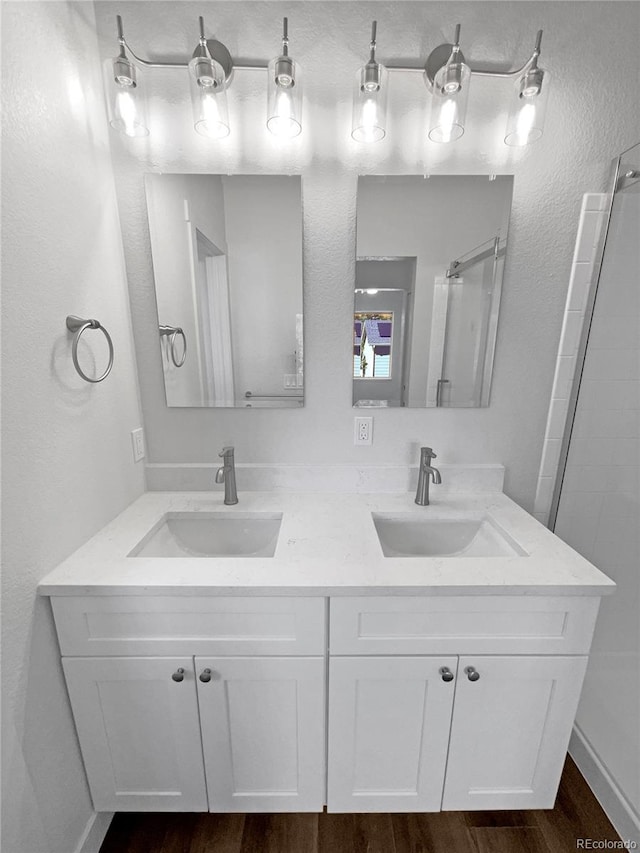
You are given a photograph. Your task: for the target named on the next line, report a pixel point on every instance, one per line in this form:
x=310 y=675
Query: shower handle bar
x=494 y=251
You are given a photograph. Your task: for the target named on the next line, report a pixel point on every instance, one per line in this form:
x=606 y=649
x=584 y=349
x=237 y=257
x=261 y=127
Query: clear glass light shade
x=284 y=98
x=449 y=102
x=125 y=98
x=526 y=115
x=369 y=122
x=209 y=100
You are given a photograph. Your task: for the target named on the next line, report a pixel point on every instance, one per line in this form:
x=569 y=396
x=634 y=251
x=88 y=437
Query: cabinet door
x=510 y=731
x=139 y=732
x=263 y=733
x=389 y=720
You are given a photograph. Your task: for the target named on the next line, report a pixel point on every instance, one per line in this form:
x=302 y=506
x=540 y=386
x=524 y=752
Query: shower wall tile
x=555 y=421
x=571 y=330
x=579 y=286
x=550 y=457
x=544 y=493
x=595 y=201
x=590 y=232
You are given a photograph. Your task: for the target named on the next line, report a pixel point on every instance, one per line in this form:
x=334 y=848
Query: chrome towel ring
x=173 y=331
x=77 y=325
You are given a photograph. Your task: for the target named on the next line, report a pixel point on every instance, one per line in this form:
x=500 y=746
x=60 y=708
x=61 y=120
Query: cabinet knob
x=472 y=673
x=178 y=675
x=446 y=673
x=205 y=676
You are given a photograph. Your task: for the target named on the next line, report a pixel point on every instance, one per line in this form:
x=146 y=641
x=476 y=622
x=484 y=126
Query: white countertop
x=327 y=546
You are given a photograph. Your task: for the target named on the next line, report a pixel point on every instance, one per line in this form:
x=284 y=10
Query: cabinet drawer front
x=461 y=625
x=156 y=625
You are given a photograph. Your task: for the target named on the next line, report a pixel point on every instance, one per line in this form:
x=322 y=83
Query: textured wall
x=589 y=121
x=67 y=461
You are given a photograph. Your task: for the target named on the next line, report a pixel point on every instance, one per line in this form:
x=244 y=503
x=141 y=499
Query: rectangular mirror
x=430 y=259
x=227 y=262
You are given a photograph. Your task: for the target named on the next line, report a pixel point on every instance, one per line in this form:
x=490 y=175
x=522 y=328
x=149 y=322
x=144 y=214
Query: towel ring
x=77 y=325
x=173 y=331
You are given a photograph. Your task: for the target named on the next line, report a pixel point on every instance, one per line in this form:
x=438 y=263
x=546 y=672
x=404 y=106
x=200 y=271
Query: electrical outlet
x=137 y=440
x=363 y=431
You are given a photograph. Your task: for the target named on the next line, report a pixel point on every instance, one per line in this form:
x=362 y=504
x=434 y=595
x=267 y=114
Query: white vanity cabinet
x=447 y=728
x=217 y=703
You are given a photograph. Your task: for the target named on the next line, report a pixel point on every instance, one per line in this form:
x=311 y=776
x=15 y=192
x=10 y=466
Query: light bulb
x=126 y=110
x=210 y=122
x=447 y=118
x=369 y=119
x=283 y=123
x=525 y=122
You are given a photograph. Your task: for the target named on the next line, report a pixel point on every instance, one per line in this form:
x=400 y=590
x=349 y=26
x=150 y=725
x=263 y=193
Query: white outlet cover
x=137 y=441
x=363 y=431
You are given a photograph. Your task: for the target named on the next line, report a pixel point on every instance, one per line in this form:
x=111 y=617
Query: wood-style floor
x=577 y=815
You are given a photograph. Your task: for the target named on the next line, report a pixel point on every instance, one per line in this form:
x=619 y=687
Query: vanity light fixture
x=447 y=76
x=208 y=93
x=529 y=104
x=449 y=92
x=370 y=98
x=284 y=92
x=126 y=106
x=210 y=71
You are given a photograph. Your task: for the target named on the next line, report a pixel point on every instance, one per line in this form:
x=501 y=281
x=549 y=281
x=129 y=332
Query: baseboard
x=618 y=809
x=94 y=833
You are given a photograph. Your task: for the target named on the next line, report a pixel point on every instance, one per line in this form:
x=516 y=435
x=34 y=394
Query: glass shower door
x=472 y=318
x=599 y=505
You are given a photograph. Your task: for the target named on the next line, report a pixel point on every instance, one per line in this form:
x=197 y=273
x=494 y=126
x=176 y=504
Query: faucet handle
x=226 y=451
x=427 y=451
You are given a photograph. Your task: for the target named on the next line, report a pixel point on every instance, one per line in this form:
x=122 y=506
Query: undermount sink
x=405 y=535
x=211 y=534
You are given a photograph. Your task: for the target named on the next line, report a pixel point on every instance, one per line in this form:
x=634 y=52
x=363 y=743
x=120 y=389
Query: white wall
x=588 y=122
x=264 y=237
x=67 y=461
x=599 y=512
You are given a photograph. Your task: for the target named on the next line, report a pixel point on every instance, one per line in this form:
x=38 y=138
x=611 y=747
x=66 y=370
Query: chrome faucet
x=425 y=472
x=227 y=475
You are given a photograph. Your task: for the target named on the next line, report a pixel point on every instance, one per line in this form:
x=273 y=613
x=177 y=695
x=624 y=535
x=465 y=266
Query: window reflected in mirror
x=372 y=339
